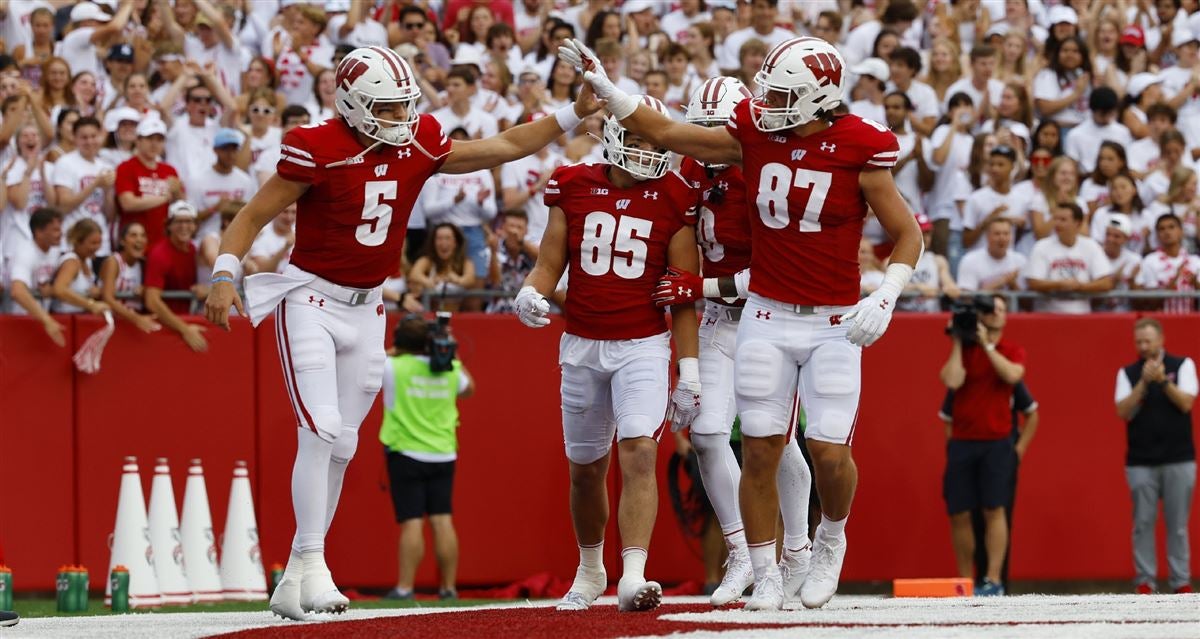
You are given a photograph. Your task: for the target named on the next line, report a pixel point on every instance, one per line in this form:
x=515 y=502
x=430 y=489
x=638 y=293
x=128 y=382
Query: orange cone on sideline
x=164 y=538
x=130 y=542
x=242 y=576
x=953 y=587
x=195 y=528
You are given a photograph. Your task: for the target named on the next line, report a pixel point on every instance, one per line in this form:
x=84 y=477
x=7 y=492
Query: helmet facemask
x=642 y=165
x=397 y=133
x=800 y=107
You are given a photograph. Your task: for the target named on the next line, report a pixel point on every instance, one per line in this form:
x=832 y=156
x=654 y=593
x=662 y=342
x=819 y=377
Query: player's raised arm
x=276 y=195
x=532 y=306
x=520 y=141
x=714 y=145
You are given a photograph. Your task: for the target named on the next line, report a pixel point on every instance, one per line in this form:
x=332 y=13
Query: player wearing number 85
x=354 y=179
x=810 y=176
x=615 y=228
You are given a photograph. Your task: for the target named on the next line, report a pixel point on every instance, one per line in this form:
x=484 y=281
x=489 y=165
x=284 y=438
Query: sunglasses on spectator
x=1039 y=160
x=200 y=99
x=262 y=110
x=414 y=25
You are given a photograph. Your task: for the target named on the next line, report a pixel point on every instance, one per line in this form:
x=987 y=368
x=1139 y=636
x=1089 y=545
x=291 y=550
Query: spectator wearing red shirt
x=980 y=457
x=171 y=266
x=144 y=185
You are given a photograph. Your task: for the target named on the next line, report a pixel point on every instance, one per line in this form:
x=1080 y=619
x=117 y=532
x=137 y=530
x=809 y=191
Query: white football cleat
x=636 y=595
x=319 y=594
x=768 y=591
x=588 y=585
x=285 y=601
x=794 y=566
x=827 y=555
x=739 y=575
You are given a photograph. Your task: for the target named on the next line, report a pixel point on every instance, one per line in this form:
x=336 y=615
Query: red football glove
x=678 y=287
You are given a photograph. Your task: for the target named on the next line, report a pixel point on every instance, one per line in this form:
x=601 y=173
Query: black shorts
x=979 y=474
x=419 y=488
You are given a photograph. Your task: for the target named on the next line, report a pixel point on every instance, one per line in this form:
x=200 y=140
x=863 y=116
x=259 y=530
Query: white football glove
x=685 y=400
x=870 y=317
x=578 y=55
x=532 y=308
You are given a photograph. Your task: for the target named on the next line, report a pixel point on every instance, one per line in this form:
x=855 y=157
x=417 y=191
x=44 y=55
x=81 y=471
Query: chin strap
x=356 y=159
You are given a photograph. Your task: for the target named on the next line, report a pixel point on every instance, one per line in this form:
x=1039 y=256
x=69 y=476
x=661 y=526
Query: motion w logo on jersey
x=622 y=205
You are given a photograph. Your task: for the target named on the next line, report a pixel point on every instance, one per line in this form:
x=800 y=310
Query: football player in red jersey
x=355 y=179
x=723 y=231
x=810 y=176
x=614 y=228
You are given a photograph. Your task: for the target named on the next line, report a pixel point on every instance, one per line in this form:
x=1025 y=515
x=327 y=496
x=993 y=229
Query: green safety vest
x=424 y=417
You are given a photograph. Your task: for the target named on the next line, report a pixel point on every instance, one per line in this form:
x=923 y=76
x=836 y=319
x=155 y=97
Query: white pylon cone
x=242 y=576
x=130 y=542
x=164 y=537
x=195 y=529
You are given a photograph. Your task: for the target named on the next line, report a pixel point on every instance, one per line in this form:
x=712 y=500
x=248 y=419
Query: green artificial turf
x=45 y=607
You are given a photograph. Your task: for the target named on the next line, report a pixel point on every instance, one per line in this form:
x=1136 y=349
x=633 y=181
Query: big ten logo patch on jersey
x=598 y=191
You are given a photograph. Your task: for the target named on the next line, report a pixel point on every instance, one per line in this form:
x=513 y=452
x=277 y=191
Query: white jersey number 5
x=774 y=184
x=608 y=245
x=376 y=215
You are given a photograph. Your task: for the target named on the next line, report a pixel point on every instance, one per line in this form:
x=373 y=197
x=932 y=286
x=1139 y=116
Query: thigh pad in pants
x=639 y=397
x=588 y=424
x=830 y=383
x=765 y=386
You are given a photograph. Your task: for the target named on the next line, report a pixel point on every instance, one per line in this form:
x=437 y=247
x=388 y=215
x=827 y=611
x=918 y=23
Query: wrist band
x=567 y=119
x=222 y=278
x=989 y=347
x=230 y=263
x=689 y=369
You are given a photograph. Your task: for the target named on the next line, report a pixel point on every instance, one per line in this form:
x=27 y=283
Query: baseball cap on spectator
x=1103 y=99
x=203 y=20
x=874 y=67
x=168 y=51
x=226 y=137
x=1193 y=22
x=89 y=11
x=1182 y=36
x=337 y=6
x=636 y=6
x=151 y=126
x=120 y=53
x=924 y=222
x=283 y=4
x=111 y=4
x=468 y=56
x=407 y=50
x=1004 y=150
x=1134 y=35
x=999 y=29
x=115 y=117
x=1121 y=222
x=1019 y=130
x=1142 y=81
x=181 y=209
x=1061 y=14
x=729 y=5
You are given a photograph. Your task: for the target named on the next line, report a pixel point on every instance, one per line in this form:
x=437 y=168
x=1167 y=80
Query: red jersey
x=982 y=407
x=135 y=177
x=723 y=224
x=350 y=222
x=170 y=269
x=806 y=206
x=617 y=247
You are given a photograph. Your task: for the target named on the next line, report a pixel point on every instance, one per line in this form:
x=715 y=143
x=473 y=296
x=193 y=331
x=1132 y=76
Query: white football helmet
x=812 y=74
x=712 y=104
x=374 y=74
x=642 y=165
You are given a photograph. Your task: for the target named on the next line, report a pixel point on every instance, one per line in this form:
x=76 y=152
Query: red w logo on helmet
x=350 y=70
x=825 y=67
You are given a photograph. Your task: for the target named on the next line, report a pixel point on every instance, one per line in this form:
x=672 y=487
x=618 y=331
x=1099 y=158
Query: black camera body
x=443 y=348
x=964 y=316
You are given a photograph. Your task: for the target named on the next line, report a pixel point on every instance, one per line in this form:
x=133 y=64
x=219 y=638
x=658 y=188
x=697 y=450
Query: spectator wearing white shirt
x=1181 y=81
x=1067 y=262
x=898 y=17
x=1172 y=157
x=190 y=139
x=322 y=105
x=612 y=59
x=121 y=274
x=74 y=286
x=1061 y=90
x=701 y=45
x=212 y=189
x=995 y=199
x=1125 y=203
x=1181 y=200
x=912 y=173
x=904 y=65
x=1083 y=142
x=30 y=187
x=83 y=182
x=1171 y=267
x=353 y=25
x=459 y=112
x=92 y=30
x=301 y=53
x=680 y=82
x=995 y=267
x=1145 y=91
x=1126 y=265
x=950 y=155
x=1144 y=155
x=1110 y=162
x=214 y=42
x=522 y=184
x=985 y=90
x=467 y=201
x=264 y=136
x=118 y=66
x=31 y=271
x=869 y=88
x=273 y=247
x=676 y=23
x=763 y=14
x=930 y=279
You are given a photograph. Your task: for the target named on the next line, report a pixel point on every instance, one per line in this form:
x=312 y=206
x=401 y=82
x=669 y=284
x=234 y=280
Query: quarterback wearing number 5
x=810 y=176
x=354 y=178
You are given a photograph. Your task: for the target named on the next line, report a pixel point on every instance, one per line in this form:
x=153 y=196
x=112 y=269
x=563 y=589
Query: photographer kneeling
x=421 y=386
x=980 y=459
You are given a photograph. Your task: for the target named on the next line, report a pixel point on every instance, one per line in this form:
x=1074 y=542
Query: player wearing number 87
x=810 y=177
x=615 y=228
x=354 y=180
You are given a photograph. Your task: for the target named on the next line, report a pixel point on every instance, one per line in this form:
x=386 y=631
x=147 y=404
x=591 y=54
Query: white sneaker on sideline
x=588 y=585
x=768 y=591
x=827 y=555
x=635 y=595
x=794 y=566
x=739 y=575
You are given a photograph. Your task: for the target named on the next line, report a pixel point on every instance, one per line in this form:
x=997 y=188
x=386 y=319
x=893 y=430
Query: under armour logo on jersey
x=319 y=302
x=381 y=170
x=765 y=315
x=649 y=195
x=622 y=205
x=835 y=320
x=828 y=147
x=403 y=153
x=798 y=154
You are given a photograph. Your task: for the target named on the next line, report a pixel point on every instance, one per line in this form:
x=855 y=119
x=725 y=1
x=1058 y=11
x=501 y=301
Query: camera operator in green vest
x=422 y=383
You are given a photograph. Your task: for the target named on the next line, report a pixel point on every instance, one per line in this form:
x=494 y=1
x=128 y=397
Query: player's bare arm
x=519 y=141
x=276 y=195
x=541 y=281
x=685 y=328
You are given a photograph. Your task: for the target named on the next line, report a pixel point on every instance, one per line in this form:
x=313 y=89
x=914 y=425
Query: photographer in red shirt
x=980 y=458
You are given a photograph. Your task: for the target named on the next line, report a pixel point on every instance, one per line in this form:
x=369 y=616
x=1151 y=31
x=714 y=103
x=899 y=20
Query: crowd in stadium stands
x=1044 y=146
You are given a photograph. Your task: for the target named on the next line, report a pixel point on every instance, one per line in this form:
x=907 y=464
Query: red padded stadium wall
x=156 y=398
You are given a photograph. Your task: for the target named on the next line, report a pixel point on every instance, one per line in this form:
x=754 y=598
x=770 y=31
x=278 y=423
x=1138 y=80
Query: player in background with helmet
x=810 y=176
x=723 y=231
x=355 y=179
x=614 y=228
